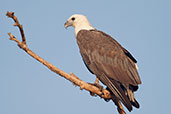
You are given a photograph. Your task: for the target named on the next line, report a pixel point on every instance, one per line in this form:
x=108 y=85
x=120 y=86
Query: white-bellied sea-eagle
x=112 y=64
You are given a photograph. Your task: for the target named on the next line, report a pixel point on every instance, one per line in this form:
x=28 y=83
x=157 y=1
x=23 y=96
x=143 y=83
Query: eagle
x=104 y=57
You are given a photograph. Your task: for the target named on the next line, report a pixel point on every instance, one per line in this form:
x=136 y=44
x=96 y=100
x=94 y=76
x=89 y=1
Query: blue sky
x=27 y=87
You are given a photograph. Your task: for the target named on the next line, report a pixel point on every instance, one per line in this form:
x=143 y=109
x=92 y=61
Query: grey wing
x=95 y=68
x=105 y=58
x=86 y=62
x=101 y=48
x=129 y=55
x=120 y=68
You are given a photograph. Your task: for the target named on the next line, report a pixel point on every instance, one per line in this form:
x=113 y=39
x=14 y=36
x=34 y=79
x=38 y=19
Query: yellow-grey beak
x=67 y=24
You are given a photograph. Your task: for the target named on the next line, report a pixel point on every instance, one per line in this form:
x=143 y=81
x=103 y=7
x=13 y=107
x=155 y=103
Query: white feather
x=80 y=23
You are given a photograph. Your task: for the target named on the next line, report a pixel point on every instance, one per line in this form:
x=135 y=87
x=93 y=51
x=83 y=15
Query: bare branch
x=11 y=15
x=71 y=77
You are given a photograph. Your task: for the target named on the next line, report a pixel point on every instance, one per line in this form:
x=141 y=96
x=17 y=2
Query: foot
x=96 y=83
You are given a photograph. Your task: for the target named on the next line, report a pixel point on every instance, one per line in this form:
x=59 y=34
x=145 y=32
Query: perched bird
x=104 y=57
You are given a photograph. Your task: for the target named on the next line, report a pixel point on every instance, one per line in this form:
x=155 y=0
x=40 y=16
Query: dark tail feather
x=118 y=104
x=130 y=95
x=117 y=91
x=135 y=104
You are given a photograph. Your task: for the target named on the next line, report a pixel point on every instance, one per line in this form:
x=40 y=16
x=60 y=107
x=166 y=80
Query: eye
x=73 y=18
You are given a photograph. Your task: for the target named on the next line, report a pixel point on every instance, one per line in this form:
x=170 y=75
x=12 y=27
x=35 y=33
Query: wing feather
x=109 y=61
x=105 y=50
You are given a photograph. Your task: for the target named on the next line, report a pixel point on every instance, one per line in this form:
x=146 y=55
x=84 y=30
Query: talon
x=93 y=94
x=107 y=100
x=96 y=83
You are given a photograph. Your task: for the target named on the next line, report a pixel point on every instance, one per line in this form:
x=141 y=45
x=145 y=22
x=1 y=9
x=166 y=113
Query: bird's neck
x=83 y=27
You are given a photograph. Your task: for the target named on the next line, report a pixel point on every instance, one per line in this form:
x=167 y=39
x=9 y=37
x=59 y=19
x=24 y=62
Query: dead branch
x=11 y=15
x=71 y=77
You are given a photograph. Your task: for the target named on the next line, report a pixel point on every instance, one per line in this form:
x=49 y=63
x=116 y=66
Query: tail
x=116 y=91
x=130 y=94
x=118 y=104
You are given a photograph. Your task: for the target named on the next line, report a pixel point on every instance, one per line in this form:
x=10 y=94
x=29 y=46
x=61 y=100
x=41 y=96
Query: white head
x=79 y=22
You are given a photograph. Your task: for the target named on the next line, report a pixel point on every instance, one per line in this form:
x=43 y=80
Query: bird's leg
x=96 y=83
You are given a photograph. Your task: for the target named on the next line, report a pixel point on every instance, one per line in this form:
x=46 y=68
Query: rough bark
x=95 y=91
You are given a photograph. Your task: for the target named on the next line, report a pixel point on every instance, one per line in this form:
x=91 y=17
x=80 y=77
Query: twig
x=71 y=77
x=11 y=15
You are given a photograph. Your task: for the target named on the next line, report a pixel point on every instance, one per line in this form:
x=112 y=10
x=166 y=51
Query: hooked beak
x=67 y=24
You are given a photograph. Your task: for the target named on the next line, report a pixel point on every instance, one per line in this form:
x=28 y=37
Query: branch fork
x=94 y=91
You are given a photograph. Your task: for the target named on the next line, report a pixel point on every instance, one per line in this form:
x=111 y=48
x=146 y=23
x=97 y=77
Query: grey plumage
x=108 y=60
x=111 y=63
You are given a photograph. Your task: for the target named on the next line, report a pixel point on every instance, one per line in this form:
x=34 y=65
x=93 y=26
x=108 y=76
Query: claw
x=93 y=94
x=96 y=83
